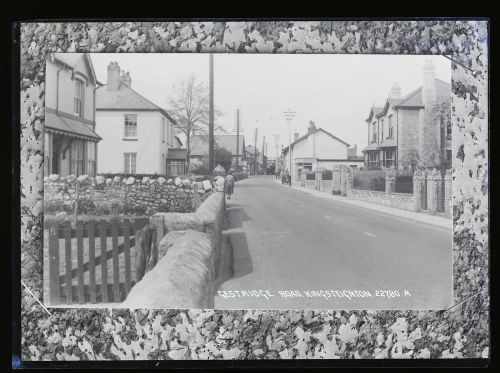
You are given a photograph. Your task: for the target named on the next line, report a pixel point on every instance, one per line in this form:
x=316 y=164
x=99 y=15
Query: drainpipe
x=397 y=138
x=57 y=90
x=94 y=109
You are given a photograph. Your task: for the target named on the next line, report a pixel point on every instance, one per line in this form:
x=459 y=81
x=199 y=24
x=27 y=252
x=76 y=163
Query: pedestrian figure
x=229 y=185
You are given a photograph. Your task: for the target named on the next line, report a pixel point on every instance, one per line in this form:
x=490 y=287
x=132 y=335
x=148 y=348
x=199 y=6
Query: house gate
x=90 y=281
x=440 y=195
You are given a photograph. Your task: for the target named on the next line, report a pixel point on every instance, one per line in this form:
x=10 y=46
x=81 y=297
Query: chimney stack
x=395 y=90
x=113 y=76
x=126 y=79
x=429 y=87
x=295 y=136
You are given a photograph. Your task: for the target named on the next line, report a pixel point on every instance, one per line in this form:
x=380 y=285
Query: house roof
x=199 y=144
x=285 y=149
x=69 y=127
x=414 y=98
x=389 y=102
x=374 y=111
x=370 y=147
x=229 y=142
x=72 y=59
x=125 y=98
x=176 y=153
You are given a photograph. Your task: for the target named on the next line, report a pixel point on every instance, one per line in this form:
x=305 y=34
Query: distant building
x=70 y=139
x=256 y=160
x=199 y=148
x=405 y=131
x=352 y=153
x=137 y=135
x=316 y=149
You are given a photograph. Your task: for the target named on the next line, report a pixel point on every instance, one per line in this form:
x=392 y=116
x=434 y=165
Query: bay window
x=91 y=158
x=77 y=157
x=78 y=99
x=389 y=157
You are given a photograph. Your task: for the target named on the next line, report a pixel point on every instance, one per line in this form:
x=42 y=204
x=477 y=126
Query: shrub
x=86 y=206
x=369 y=180
x=404 y=184
x=55 y=206
x=327 y=175
x=136 y=176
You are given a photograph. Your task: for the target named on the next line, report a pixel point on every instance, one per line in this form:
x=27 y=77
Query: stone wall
x=408 y=135
x=399 y=200
x=182 y=278
x=100 y=196
x=189 y=257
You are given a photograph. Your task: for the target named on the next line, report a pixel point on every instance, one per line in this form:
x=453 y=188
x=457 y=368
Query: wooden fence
x=87 y=232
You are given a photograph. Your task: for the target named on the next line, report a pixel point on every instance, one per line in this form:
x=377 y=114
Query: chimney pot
x=113 y=76
x=395 y=90
x=429 y=87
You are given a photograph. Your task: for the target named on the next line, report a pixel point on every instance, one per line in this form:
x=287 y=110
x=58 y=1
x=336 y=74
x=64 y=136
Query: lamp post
x=289 y=115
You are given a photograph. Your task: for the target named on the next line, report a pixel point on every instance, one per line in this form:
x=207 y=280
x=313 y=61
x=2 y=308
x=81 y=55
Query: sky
x=334 y=91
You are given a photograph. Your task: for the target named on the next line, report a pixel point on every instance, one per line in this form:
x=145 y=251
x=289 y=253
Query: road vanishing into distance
x=287 y=249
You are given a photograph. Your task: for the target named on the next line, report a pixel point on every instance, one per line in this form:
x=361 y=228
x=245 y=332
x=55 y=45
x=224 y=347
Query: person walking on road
x=229 y=185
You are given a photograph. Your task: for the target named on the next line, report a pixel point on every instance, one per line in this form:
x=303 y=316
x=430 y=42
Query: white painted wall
x=317 y=146
x=150 y=147
x=67 y=88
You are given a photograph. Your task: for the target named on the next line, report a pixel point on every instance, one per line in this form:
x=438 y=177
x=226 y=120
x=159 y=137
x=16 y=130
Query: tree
x=189 y=106
x=223 y=157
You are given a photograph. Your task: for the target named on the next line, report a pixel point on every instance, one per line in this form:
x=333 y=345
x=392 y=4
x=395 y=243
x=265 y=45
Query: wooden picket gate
x=61 y=288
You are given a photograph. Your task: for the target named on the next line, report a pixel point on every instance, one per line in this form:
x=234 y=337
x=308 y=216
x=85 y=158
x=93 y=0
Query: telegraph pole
x=276 y=139
x=211 y=158
x=263 y=152
x=255 y=154
x=289 y=115
x=237 y=138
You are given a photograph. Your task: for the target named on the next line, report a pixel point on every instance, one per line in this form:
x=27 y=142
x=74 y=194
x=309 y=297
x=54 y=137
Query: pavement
x=421 y=217
x=292 y=250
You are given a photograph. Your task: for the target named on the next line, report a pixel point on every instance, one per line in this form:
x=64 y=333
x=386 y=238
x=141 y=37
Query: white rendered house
x=136 y=134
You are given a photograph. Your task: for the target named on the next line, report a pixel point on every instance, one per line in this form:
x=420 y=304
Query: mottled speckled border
x=84 y=334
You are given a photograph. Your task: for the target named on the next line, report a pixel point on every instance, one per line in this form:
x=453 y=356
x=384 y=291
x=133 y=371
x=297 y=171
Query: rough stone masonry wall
x=408 y=135
x=182 y=278
x=187 y=277
x=96 y=334
x=99 y=196
x=398 y=200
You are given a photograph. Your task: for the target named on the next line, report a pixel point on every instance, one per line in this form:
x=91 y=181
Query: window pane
x=130 y=125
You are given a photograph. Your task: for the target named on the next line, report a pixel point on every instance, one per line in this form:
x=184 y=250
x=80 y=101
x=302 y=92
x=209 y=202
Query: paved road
x=282 y=239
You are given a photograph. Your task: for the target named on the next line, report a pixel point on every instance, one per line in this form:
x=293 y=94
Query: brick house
x=138 y=136
x=406 y=131
x=70 y=138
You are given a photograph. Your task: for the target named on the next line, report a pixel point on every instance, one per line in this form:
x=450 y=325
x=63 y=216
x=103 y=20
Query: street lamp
x=289 y=115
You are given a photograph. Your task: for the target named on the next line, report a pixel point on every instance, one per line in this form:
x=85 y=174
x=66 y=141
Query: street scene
x=278 y=234
x=234 y=181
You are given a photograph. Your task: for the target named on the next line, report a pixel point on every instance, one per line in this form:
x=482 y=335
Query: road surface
x=316 y=250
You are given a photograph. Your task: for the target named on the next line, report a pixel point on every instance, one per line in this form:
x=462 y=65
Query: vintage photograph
x=268 y=192
x=247 y=181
